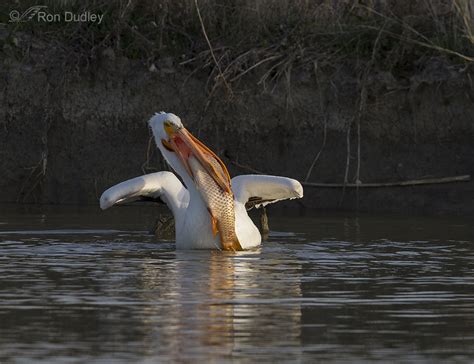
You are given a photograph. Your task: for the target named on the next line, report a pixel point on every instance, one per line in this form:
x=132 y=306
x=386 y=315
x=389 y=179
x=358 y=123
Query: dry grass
x=264 y=38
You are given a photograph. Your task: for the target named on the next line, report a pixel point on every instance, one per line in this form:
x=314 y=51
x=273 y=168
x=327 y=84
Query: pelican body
x=210 y=208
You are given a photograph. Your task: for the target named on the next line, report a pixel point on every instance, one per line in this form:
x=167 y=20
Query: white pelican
x=209 y=210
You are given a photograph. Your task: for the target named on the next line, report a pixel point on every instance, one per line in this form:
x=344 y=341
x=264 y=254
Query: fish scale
x=220 y=203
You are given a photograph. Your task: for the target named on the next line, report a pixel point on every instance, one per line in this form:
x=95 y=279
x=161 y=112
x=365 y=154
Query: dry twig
x=414 y=182
x=210 y=48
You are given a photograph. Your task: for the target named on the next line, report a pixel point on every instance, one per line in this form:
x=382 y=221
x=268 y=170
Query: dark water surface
x=80 y=285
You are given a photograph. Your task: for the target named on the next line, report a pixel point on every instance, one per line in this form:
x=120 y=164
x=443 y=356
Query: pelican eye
x=169 y=127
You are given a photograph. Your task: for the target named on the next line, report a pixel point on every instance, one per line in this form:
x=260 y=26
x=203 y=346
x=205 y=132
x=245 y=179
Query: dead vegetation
x=259 y=40
x=265 y=37
x=264 y=42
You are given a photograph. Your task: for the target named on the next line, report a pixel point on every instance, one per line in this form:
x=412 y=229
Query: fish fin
x=233 y=245
x=213 y=223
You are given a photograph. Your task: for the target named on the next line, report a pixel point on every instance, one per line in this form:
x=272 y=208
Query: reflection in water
x=341 y=289
x=220 y=300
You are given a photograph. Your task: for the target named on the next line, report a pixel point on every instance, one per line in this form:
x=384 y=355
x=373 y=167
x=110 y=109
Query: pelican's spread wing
x=164 y=186
x=260 y=190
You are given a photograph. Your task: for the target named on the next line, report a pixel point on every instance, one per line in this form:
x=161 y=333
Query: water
x=80 y=285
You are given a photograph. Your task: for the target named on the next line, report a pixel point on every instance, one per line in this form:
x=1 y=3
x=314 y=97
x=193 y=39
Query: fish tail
x=229 y=241
x=232 y=245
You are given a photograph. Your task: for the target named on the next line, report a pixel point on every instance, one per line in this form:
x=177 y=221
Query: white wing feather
x=268 y=189
x=163 y=185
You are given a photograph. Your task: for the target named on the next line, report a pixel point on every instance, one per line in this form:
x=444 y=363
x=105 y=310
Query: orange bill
x=186 y=145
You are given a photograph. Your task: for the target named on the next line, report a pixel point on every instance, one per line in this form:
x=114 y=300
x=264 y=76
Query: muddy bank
x=67 y=133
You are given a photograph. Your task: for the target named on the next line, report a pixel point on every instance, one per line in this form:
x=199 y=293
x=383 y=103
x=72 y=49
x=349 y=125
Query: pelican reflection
x=221 y=303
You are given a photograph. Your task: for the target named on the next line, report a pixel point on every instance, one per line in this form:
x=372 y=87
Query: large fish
x=212 y=181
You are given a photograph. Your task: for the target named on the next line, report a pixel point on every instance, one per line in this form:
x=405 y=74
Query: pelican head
x=162 y=125
x=159 y=120
x=178 y=146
